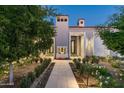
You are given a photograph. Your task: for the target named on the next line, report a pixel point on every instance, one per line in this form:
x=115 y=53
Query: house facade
x=79 y=40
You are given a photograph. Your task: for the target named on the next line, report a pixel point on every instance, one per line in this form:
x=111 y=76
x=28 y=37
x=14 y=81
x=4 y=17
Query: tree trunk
x=87 y=80
x=11 y=73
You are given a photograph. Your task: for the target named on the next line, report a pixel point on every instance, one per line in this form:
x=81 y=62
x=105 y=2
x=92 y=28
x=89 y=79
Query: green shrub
x=81 y=70
x=108 y=83
x=45 y=63
x=86 y=69
x=79 y=59
x=41 y=67
x=74 y=60
x=28 y=80
x=104 y=72
x=119 y=85
x=25 y=82
x=85 y=60
x=31 y=76
x=95 y=59
x=38 y=71
x=115 y=65
x=77 y=64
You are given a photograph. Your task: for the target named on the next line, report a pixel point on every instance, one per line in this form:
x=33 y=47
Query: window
x=65 y=20
x=72 y=47
x=62 y=20
x=58 y=19
x=81 y=22
x=62 y=50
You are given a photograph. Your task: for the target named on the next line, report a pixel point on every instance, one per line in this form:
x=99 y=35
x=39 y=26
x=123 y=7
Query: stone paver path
x=62 y=76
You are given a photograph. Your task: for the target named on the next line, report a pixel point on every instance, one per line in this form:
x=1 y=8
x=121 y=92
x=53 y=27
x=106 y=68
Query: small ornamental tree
x=24 y=31
x=85 y=70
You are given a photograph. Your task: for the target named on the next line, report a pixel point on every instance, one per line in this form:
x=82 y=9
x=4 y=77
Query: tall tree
x=24 y=30
x=113 y=35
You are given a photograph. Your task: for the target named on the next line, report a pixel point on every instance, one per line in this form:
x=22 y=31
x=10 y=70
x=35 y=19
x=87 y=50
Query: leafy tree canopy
x=113 y=35
x=24 y=30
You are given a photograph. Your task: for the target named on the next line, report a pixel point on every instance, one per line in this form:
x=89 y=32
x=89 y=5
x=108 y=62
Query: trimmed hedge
x=77 y=63
x=31 y=76
x=41 y=67
x=27 y=80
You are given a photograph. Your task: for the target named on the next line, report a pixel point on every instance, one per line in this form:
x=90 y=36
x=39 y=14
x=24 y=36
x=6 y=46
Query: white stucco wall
x=62 y=36
x=99 y=48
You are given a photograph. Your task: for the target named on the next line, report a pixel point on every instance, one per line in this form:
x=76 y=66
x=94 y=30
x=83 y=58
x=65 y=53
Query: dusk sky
x=93 y=14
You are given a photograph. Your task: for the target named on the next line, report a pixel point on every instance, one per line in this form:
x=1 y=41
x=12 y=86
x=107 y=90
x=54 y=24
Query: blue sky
x=93 y=14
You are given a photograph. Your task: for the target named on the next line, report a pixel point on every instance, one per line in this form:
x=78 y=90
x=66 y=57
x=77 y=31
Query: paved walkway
x=62 y=76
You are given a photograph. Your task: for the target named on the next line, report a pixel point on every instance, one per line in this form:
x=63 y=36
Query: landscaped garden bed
x=82 y=80
x=25 y=72
x=20 y=68
x=116 y=66
x=90 y=73
x=41 y=81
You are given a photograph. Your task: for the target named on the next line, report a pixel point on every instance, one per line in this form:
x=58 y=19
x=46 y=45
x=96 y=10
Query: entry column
x=82 y=46
x=78 y=47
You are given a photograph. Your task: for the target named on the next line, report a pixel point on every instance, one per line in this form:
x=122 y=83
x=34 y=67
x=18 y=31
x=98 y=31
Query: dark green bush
x=28 y=80
x=25 y=82
x=111 y=83
x=104 y=72
x=31 y=76
x=42 y=67
x=79 y=59
x=95 y=59
x=85 y=60
x=77 y=63
x=119 y=85
x=45 y=63
x=37 y=71
x=81 y=70
x=74 y=60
